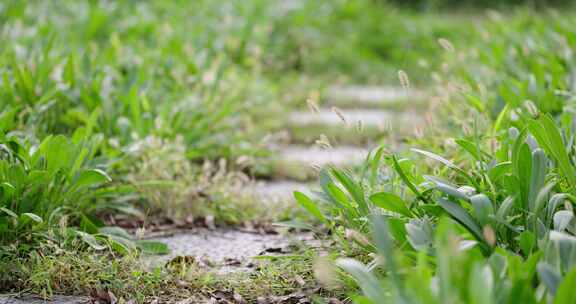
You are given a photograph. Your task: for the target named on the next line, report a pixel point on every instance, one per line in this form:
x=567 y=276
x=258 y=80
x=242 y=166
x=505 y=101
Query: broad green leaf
x=7 y=190
x=367 y=281
x=385 y=246
x=481 y=284
x=120 y=244
x=405 y=178
x=374 y=165
x=527 y=240
x=447 y=163
x=90 y=240
x=31 y=216
x=505 y=208
x=549 y=276
x=499 y=170
x=91 y=177
x=476 y=102
x=397 y=229
x=565 y=293
x=309 y=205
x=548 y=136
x=555 y=201
x=447 y=189
x=354 y=189
x=390 y=202
x=483 y=208
x=420 y=234
x=338 y=196
x=471 y=148
x=9 y=212
x=439 y=158
x=87 y=225
x=114 y=231
x=562 y=219
x=152 y=247
x=537 y=177
x=461 y=215
x=125 y=208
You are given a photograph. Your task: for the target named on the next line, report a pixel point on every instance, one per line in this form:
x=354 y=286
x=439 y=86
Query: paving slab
x=301 y=162
x=373 y=96
x=350 y=117
x=278 y=191
x=352 y=126
x=318 y=156
x=225 y=249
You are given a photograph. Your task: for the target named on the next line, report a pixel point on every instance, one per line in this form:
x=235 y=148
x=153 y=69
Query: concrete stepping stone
x=351 y=126
x=29 y=299
x=225 y=249
x=279 y=191
x=352 y=116
x=373 y=96
x=302 y=162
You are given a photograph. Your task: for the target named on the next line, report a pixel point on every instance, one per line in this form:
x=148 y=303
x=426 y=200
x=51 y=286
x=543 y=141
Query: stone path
x=294 y=167
x=225 y=250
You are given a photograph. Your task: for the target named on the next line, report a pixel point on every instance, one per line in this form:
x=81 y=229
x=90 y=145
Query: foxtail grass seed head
x=531 y=108
x=359 y=127
x=404 y=80
x=446 y=44
x=489 y=235
x=353 y=235
x=525 y=50
x=316 y=167
x=418 y=132
x=423 y=63
x=429 y=118
x=140 y=233
x=340 y=115
x=494 y=144
x=63 y=224
x=323 y=142
x=325 y=273
x=312 y=106
x=450 y=142
x=466 y=129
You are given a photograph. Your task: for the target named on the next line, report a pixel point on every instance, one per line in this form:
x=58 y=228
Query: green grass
x=493 y=220
x=59 y=271
x=147 y=109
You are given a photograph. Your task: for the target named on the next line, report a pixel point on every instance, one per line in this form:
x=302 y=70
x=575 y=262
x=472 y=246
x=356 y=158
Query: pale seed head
x=531 y=108
x=404 y=80
x=323 y=142
x=359 y=127
x=489 y=235
x=312 y=105
x=340 y=115
x=446 y=44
